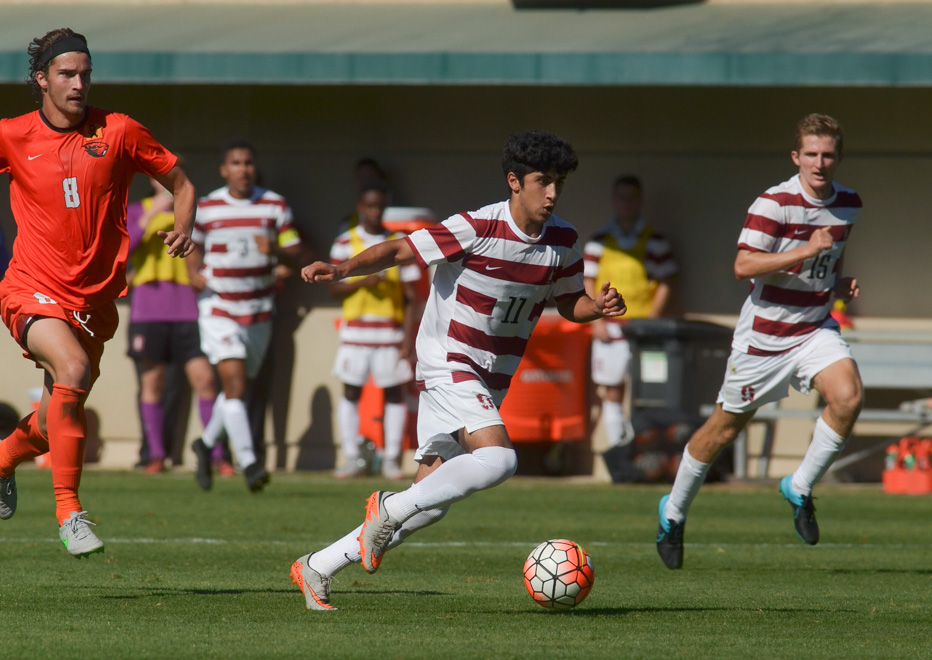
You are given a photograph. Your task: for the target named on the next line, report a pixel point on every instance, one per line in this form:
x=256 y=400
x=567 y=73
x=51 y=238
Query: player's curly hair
x=821 y=126
x=38 y=47
x=537 y=151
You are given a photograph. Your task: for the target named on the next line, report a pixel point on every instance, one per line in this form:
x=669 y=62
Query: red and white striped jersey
x=372 y=317
x=240 y=277
x=490 y=286
x=784 y=308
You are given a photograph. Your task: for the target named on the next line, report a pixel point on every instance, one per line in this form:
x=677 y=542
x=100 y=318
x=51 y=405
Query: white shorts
x=225 y=339
x=354 y=364
x=752 y=381
x=610 y=362
x=444 y=410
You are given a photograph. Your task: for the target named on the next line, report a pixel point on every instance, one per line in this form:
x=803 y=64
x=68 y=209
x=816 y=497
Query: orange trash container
x=547 y=400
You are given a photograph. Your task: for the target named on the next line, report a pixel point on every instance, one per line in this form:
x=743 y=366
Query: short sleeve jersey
x=490 y=286
x=372 y=316
x=242 y=279
x=68 y=192
x=786 y=307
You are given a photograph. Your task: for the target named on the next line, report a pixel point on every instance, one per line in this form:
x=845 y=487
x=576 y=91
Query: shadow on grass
x=161 y=592
x=624 y=611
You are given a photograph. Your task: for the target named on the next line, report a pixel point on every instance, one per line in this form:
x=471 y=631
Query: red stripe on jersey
x=204 y=203
x=780 y=296
x=258 y=271
x=371 y=324
x=478 y=339
x=780 y=329
x=261 y=223
x=246 y=295
x=508 y=271
x=537 y=310
x=280 y=203
x=564 y=237
x=218 y=247
x=446 y=242
x=494 y=381
x=762 y=224
x=759 y=352
x=245 y=319
x=417 y=255
x=572 y=270
x=480 y=302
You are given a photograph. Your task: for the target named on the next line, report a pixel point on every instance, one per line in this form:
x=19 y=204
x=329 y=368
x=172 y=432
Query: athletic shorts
x=444 y=410
x=223 y=338
x=354 y=364
x=19 y=308
x=610 y=362
x=164 y=341
x=752 y=381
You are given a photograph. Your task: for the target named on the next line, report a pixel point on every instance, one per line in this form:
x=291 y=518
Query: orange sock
x=23 y=444
x=67 y=431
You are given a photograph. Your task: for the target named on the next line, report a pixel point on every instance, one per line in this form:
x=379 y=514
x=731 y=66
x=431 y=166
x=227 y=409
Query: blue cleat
x=669 y=537
x=803 y=512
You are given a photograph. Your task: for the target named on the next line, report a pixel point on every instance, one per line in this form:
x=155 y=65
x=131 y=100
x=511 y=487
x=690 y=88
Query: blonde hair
x=822 y=126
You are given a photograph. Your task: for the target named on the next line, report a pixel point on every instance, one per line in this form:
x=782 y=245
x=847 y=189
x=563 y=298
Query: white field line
x=475 y=544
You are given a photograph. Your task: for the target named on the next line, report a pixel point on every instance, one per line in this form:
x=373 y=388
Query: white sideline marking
x=498 y=544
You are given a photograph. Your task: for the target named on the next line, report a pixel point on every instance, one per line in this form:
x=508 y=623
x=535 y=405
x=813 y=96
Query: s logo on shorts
x=43 y=299
x=486 y=401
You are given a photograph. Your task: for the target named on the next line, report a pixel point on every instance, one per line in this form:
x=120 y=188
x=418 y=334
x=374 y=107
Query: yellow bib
x=625 y=270
x=385 y=299
x=150 y=260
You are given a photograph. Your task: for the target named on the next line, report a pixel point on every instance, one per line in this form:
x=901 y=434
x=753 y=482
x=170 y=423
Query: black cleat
x=803 y=512
x=256 y=477
x=203 y=473
x=669 y=538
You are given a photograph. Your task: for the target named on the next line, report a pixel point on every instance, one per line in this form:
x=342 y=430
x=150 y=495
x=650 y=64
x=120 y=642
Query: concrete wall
x=703 y=154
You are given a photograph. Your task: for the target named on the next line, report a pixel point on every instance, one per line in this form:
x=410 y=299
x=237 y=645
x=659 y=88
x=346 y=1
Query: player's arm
x=750 y=264
x=846 y=288
x=582 y=308
x=195 y=262
x=371 y=260
x=178 y=239
x=414 y=309
x=661 y=297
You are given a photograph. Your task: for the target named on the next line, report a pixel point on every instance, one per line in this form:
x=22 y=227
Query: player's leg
x=152 y=411
x=314 y=571
x=392 y=373
x=350 y=441
x=70 y=371
x=610 y=360
x=25 y=443
x=395 y=417
x=232 y=374
x=837 y=379
x=351 y=367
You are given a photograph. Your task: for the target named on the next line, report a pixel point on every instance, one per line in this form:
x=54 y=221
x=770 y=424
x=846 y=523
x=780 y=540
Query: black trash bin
x=677 y=366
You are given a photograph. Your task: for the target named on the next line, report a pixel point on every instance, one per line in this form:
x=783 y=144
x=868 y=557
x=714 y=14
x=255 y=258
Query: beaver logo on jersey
x=97 y=149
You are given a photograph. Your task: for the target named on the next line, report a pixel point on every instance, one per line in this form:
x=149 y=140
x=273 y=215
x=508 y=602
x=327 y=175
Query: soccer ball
x=558 y=574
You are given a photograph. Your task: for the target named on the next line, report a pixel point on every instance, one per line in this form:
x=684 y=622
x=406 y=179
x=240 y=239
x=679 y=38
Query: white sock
x=825 y=447
x=215 y=426
x=454 y=480
x=340 y=554
x=236 y=422
x=689 y=478
x=348 y=417
x=613 y=419
x=394 y=418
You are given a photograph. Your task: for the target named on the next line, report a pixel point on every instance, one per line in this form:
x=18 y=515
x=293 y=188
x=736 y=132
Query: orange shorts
x=19 y=308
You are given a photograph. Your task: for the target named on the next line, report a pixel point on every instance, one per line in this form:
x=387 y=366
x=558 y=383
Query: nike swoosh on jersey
x=32 y=157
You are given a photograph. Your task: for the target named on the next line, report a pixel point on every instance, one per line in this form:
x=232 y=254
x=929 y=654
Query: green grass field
x=188 y=574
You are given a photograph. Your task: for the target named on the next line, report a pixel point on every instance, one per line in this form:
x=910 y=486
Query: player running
x=70 y=168
x=496 y=269
x=791 y=249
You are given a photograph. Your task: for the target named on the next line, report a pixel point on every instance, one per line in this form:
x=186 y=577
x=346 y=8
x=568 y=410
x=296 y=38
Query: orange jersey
x=68 y=193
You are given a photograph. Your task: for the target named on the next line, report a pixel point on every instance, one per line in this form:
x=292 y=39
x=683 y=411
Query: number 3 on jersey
x=70 y=186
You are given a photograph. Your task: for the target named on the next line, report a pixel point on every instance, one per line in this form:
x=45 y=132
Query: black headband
x=66 y=45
